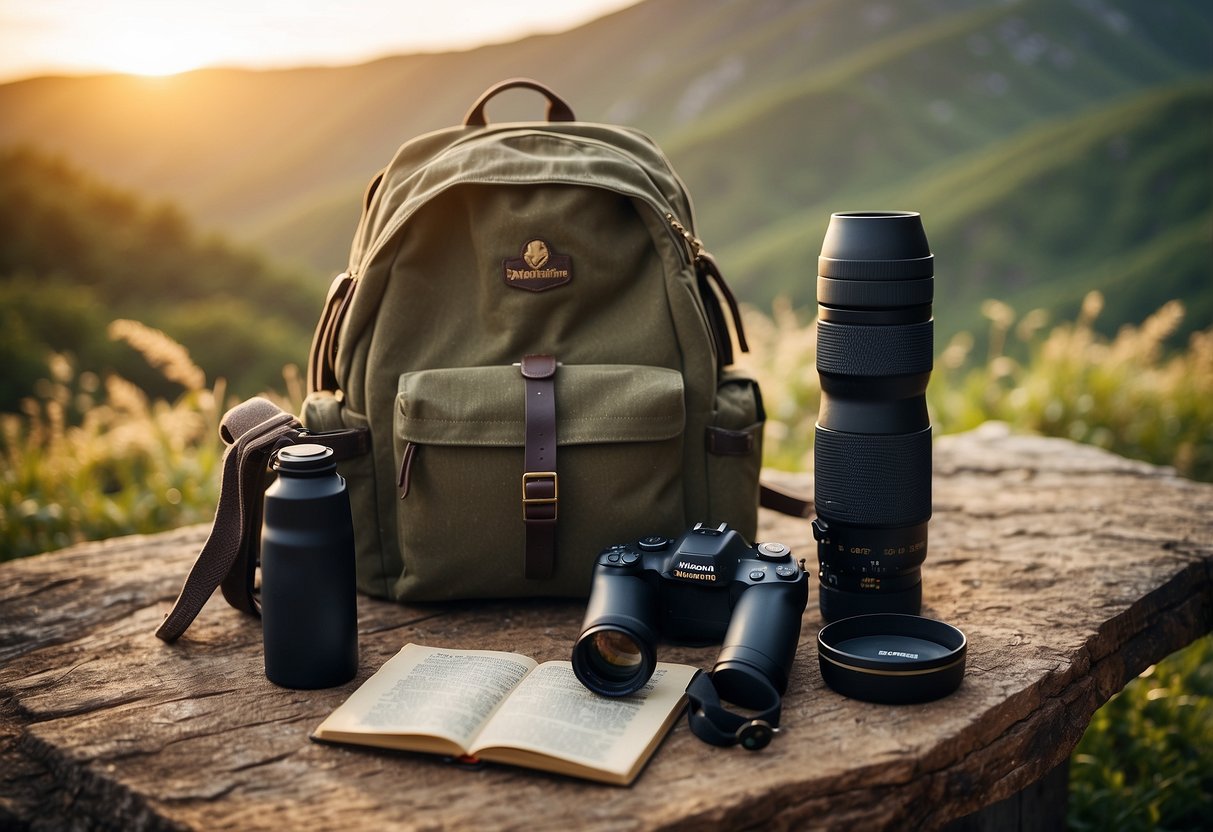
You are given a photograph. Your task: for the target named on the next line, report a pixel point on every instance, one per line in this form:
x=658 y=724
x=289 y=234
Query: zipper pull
x=406 y=468
x=705 y=265
x=694 y=244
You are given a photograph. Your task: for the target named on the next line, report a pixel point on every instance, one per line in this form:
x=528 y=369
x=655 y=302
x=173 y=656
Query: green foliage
x=92 y=457
x=34 y=312
x=75 y=253
x=1146 y=761
x=1126 y=394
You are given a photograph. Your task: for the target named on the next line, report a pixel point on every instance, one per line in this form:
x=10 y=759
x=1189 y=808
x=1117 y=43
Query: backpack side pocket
x=322 y=411
x=734 y=453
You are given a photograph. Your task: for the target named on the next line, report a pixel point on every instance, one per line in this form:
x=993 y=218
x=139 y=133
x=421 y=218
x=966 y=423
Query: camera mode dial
x=774 y=551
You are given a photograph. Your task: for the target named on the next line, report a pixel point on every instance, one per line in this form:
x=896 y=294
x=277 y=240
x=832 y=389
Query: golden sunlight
x=152 y=46
x=155 y=37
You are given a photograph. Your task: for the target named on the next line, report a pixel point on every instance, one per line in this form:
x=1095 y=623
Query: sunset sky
x=157 y=37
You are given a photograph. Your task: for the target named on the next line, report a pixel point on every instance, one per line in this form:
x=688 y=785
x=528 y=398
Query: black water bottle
x=308 y=603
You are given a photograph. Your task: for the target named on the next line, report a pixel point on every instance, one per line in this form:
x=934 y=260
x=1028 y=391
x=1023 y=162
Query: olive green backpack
x=533 y=345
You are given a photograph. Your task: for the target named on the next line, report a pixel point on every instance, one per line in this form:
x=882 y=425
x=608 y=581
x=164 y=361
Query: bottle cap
x=304 y=457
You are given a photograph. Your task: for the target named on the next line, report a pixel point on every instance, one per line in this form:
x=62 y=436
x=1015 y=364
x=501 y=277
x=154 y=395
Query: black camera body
x=707 y=586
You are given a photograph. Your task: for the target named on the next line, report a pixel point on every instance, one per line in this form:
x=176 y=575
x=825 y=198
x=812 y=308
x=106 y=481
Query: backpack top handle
x=558 y=110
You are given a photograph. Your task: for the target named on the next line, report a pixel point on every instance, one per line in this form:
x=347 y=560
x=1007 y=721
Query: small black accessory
x=707 y=586
x=712 y=723
x=891 y=658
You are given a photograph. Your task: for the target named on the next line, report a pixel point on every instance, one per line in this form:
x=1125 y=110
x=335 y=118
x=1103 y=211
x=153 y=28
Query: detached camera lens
x=612 y=662
x=872 y=457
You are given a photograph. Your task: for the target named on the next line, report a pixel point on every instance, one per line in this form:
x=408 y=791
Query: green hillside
x=1051 y=146
x=1120 y=199
x=76 y=254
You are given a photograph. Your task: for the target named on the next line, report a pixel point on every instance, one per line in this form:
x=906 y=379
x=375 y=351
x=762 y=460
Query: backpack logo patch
x=538 y=268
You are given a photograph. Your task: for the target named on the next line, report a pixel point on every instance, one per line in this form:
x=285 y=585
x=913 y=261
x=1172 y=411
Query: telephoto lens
x=872 y=453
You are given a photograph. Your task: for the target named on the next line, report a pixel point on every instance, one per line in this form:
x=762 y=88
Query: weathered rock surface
x=1070 y=570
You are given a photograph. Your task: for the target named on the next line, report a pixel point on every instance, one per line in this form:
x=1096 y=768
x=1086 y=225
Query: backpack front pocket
x=459 y=440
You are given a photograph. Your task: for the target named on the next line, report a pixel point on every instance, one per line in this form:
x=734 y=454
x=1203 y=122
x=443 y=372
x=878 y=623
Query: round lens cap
x=891 y=658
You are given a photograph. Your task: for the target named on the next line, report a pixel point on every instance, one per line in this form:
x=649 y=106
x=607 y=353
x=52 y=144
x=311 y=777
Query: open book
x=507 y=708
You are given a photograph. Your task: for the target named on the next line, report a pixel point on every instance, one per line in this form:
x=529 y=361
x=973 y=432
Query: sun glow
x=152 y=47
x=153 y=63
x=164 y=37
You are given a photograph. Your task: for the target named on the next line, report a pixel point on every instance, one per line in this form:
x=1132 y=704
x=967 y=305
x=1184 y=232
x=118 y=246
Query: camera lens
x=872 y=452
x=614 y=655
x=612 y=662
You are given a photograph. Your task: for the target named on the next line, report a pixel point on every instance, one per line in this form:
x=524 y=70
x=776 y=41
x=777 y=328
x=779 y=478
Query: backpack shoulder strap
x=253 y=431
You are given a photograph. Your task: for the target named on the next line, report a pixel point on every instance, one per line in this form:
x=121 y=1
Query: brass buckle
x=530 y=476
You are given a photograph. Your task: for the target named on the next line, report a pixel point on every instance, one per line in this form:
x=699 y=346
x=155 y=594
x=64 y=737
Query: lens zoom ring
x=872 y=480
x=877 y=269
x=877 y=294
x=856 y=350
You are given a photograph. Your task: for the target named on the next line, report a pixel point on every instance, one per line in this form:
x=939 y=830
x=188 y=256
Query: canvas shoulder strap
x=253 y=431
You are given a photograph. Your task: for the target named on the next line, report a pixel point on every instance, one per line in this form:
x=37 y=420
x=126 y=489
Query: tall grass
x=90 y=456
x=1129 y=394
x=1134 y=393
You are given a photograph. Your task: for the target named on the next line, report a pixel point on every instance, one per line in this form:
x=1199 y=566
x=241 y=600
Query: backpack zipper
x=694 y=244
x=705 y=265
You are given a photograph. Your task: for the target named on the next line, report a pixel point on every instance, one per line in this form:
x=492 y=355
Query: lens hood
x=891 y=658
x=876 y=245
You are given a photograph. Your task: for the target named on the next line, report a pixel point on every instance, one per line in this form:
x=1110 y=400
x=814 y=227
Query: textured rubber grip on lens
x=857 y=350
x=873 y=480
x=875 y=294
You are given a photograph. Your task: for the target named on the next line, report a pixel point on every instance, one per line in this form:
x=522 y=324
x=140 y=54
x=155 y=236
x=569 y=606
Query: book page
x=552 y=713
x=429 y=691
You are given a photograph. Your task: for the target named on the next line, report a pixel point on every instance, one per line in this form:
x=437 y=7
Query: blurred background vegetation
x=165 y=245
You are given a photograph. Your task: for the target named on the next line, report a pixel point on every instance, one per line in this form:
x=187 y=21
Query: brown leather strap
x=323 y=354
x=253 y=430
x=708 y=268
x=539 y=482
x=558 y=109
x=785 y=502
x=725 y=442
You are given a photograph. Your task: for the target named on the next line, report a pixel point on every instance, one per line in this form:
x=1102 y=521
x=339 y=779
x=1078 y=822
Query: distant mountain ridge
x=774 y=112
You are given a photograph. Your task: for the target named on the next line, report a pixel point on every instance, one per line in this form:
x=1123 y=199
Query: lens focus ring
x=875 y=294
x=853 y=350
x=872 y=480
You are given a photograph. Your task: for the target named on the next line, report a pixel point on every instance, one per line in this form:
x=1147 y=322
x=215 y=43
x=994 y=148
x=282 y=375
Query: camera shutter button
x=773 y=551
